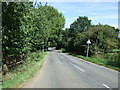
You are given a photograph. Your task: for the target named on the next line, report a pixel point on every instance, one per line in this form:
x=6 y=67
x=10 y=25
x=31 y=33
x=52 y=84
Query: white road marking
x=91 y=63
x=107 y=86
x=77 y=67
x=62 y=58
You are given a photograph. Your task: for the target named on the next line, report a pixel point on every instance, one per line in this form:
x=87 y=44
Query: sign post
x=88 y=42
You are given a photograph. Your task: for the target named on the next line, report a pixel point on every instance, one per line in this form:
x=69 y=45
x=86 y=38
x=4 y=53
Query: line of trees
x=104 y=38
x=27 y=28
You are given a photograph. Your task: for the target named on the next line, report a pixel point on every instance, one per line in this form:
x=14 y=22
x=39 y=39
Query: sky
x=98 y=12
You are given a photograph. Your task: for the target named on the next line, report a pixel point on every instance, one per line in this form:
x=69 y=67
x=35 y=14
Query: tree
x=12 y=35
x=56 y=23
x=80 y=25
x=103 y=38
x=27 y=28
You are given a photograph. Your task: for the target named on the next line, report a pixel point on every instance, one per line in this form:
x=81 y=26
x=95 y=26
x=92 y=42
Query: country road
x=65 y=71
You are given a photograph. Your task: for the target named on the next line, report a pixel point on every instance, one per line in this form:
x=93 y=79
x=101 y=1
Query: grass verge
x=25 y=71
x=99 y=61
x=0 y=86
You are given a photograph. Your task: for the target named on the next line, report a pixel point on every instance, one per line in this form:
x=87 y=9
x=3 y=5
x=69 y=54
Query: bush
x=111 y=58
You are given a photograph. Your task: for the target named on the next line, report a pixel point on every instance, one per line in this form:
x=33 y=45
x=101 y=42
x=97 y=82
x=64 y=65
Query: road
x=65 y=71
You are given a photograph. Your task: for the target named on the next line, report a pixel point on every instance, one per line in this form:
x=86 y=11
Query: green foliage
x=74 y=35
x=103 y=37
x=25 y=71
x=104 y=47
x=11 y=27
x=80 y=25
x=113 y=61
x=27 y=28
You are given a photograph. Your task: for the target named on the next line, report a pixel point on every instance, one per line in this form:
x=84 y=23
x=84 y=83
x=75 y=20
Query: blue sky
x=103 y=12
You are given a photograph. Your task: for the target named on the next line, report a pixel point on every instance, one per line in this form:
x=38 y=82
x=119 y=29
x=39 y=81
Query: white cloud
x=116 y=26
x=105 y=13
x=104 y=17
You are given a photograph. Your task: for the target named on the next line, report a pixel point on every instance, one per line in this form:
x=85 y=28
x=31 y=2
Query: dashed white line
x=106 y=86
x=77 y=67
x=92 y=63
x=62 y=58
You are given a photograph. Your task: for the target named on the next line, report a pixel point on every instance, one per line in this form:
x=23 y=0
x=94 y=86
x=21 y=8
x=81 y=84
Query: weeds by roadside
x=25 y=71
x=101 y=60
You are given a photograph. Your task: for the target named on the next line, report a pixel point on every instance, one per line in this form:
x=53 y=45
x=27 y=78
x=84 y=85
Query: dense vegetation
x=103 y=37
x=104 y=40
x=25 y=71
x=27 y=28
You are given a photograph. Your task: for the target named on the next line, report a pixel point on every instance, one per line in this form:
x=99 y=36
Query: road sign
x=88 y=42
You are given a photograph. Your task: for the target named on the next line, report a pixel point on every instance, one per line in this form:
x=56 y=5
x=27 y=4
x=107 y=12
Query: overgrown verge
x=0 y=85
x=106 y=60
x=25 y=71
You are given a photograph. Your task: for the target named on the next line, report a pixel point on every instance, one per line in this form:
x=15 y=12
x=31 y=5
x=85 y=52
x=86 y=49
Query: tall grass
x=0 y=85
x=22 y=73
x=110 y=60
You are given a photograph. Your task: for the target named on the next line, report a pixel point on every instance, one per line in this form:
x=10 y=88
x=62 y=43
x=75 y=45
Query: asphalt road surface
x=65 y=71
